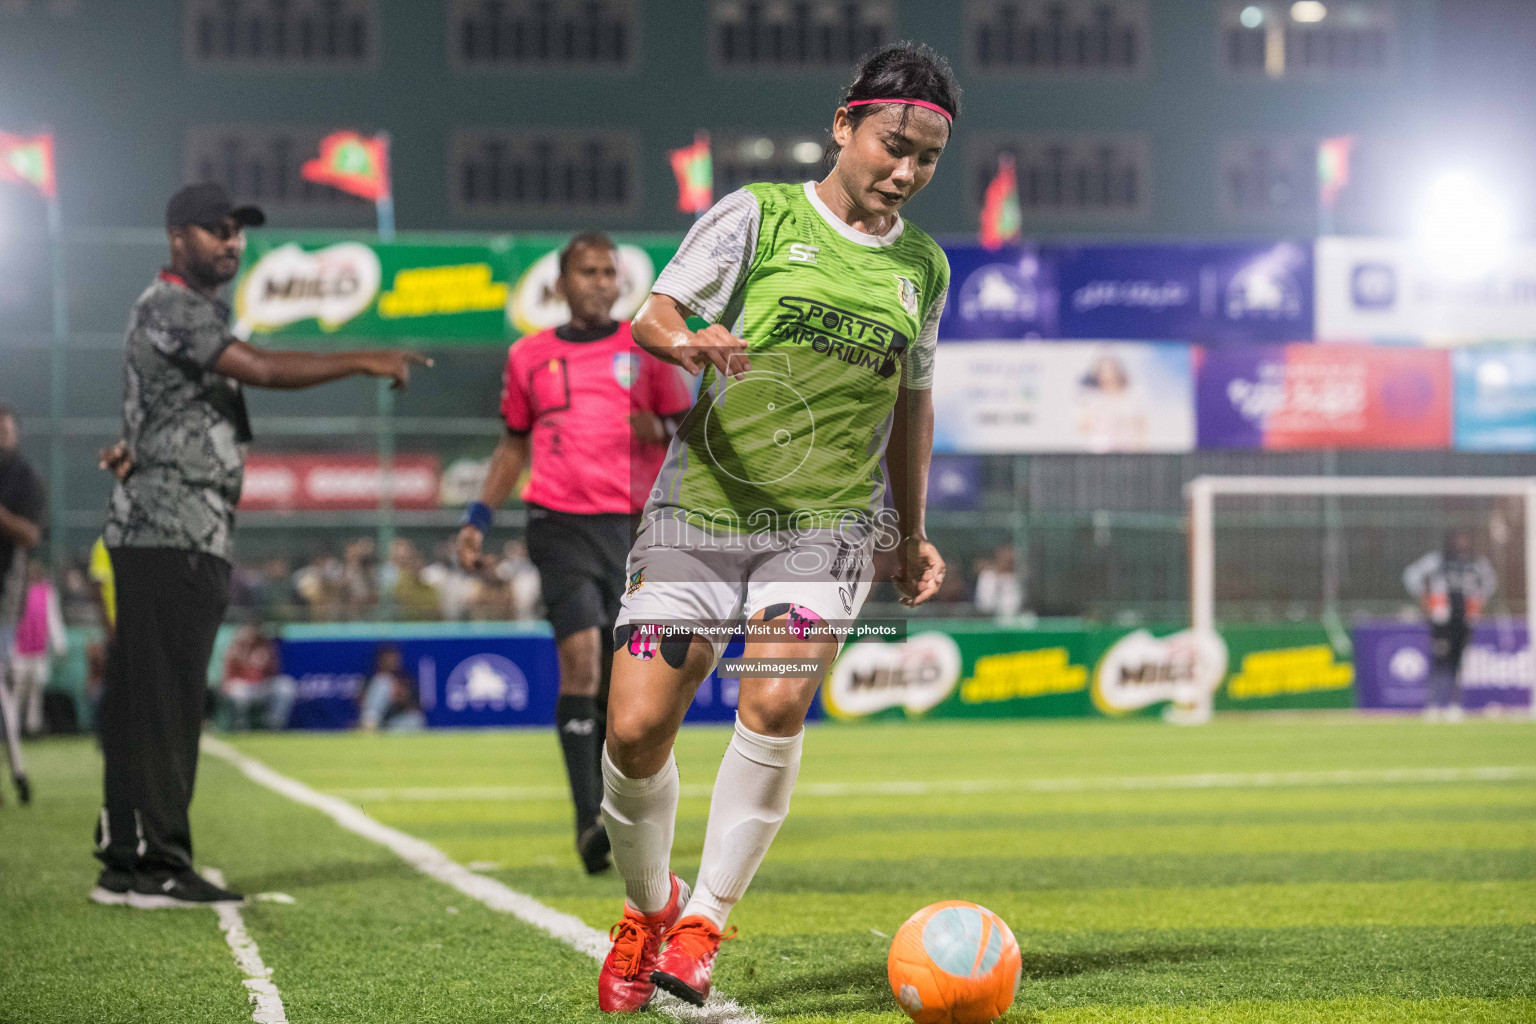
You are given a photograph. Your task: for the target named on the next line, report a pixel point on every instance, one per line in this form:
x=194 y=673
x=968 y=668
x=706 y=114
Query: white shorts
x=681 y=576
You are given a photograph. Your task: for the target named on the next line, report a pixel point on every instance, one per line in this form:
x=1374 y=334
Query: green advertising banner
x=981 y=670
x=470 y=289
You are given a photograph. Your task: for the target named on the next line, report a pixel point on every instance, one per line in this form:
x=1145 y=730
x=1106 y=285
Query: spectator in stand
x=457 y=591
x=415 y=599
x=391 y=702
x=360 y=578
x=39 y=639
x=319 y=586
x=275 y=598
x=254 y=682
x=517 y=571
x=1451 y=586
x=998 y=590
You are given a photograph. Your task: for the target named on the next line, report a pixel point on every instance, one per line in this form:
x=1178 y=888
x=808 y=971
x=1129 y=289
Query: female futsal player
x=823 y=308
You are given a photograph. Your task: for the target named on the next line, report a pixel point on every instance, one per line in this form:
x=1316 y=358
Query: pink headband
x=912 y=103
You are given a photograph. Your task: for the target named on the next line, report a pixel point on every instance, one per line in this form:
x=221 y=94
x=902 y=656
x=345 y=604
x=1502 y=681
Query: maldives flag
x=28 y=161
x=352 y=163
x=1002 y=219
x=695 y=171
x=1333 y=167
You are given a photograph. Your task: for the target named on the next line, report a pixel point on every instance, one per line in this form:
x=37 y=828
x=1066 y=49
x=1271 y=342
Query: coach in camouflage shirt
x=168 y=532
x=184 y=422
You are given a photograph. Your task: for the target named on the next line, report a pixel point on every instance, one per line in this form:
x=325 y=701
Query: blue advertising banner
x=954 y=482
x=1007 y=293
x=1495 y=407
x=460 y=682
x=463 y=676
x=1392 y=666
x=1214 y=293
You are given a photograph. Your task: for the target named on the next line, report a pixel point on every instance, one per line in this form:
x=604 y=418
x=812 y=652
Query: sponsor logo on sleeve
x=626 y=367
x=906 y=294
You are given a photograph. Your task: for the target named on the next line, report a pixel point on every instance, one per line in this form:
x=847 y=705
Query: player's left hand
x=116 y=459
x=921 y=571
x=648 y=426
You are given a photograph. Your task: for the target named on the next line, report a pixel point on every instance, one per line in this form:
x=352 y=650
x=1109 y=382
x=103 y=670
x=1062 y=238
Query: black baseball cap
x=206 y=203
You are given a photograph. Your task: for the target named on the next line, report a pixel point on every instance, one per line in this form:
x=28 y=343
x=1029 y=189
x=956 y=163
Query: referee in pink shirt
x=594 y=413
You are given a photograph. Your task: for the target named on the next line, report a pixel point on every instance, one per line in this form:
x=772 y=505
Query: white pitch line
x=431 y=861
x=1108 y=783
x=258 y=976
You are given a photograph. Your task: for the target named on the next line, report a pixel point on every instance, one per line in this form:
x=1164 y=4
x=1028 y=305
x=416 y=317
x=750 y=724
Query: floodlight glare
x=1308 y=11
x=758 y=149
x=806 y=152
x=1464 y=226
x=1251 y=17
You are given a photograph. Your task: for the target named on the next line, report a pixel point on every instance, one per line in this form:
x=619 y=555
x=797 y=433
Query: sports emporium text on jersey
x=851 y=337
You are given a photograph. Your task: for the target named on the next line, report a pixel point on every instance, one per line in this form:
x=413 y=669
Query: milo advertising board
x=979 y=670
x=486 y=289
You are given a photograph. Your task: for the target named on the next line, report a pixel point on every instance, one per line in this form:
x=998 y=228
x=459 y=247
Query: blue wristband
x=478 y=515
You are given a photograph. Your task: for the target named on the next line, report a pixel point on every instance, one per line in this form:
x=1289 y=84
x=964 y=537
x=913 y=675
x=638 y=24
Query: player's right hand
x=116 y=459
x=715 y=346
x=396 y=365
x=468 y=547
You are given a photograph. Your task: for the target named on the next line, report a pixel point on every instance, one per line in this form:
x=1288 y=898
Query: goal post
x=1203 y=494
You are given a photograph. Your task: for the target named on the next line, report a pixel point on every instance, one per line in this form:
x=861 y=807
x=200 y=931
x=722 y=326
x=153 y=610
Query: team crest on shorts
x=906 y=292
x=636 y=581
x=626 y=366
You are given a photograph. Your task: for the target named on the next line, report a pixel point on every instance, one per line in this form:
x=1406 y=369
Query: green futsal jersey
x=835 y=320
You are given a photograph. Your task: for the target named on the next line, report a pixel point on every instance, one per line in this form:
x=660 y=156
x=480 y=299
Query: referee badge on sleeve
x=626 y=366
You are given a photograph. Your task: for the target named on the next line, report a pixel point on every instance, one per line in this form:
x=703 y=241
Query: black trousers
x=169 y=606
x=1447 y=643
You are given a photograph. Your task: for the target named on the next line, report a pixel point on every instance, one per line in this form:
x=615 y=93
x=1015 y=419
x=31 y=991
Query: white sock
x=640 y=815
x=751 y=798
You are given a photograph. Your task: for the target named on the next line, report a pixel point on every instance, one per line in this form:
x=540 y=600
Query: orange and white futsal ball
x=954 y=963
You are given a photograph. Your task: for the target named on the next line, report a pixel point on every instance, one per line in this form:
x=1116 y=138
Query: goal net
x=1334 y=550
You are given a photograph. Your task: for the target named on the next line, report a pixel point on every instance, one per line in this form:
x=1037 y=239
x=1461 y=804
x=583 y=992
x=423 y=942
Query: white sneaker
x=1432 y=713
x=1454 y=713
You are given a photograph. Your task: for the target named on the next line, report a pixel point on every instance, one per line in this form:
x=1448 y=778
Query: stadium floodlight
x=1251 y=17
x=806 y=152
x=1308 y=12
x=1203 y=492
x=1463 y=226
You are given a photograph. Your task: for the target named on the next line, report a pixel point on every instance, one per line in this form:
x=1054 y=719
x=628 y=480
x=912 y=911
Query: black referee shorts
x=580 y=559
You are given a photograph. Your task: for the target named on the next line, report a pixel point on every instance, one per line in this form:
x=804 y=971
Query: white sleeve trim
x=714 y=258
x=917 y=368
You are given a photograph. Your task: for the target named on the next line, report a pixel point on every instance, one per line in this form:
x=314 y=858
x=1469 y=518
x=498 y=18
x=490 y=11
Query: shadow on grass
x=859 y=982
x=1043 y=966
x=850 y=986
x=334 y=873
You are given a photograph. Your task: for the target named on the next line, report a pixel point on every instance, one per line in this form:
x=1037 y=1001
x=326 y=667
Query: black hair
x=7 y=412
x=901 y=71
x=585 y=240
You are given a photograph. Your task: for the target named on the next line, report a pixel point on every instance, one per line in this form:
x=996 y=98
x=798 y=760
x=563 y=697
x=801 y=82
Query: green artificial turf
x=1351 y=901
